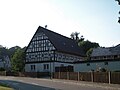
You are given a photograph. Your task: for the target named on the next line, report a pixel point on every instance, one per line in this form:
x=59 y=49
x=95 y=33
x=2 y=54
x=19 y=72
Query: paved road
x=23 y=83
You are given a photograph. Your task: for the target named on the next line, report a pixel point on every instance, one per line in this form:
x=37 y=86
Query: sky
x=96 y=20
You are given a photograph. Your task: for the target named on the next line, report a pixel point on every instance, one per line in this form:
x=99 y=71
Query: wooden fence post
x=67 y=75
x=109 y=76
x=59 y=75
x=78 y=76
x=5 y=73
x=92 y=76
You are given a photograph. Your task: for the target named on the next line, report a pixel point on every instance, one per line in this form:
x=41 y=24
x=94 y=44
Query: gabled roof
x=115 y=50
x=62 y=43
x=100 y=51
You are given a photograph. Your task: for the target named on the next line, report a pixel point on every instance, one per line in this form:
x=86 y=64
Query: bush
x=103 y=70
x=2 y=69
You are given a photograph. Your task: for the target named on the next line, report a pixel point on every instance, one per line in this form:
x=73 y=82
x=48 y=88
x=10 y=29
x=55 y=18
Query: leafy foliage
x=86 y=45
x=119 y=11
x=17 y=61
x=3 y=52
x=88 y=53
x=7 y=52
x=75 y=36
x=2 y=69
x=12 y=50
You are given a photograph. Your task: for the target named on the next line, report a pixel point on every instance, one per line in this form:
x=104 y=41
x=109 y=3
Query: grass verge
x=5 y=87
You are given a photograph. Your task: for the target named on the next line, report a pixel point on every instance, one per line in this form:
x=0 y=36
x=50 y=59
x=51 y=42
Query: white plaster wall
x=40 y=66
x=1 y=64
x=114 y=66
x=27 y=67
x=82 y=67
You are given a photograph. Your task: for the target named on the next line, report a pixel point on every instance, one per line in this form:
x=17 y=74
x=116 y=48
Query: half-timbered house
x=48 y=51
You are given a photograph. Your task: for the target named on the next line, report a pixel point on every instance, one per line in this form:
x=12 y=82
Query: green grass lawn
x=5 y=87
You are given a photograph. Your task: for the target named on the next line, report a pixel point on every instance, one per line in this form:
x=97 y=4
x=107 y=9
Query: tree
x=118 y=2
x=75 y=36
x=16 y=54
x=3 y=52
x=86 y=45
x=88 y=53
x=72 y=36
x=119 y=11
x=119 y=20
x=12 y=50
x=17 y=60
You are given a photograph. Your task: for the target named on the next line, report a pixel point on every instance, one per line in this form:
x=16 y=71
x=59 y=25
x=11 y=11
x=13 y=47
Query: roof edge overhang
x=71 y=53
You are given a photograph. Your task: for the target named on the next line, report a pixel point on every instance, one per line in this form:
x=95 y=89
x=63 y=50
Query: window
x=88 y=64
x=95 y=58
x=32 y=67
x=46 y=66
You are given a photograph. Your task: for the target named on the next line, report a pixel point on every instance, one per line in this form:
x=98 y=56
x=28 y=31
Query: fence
x=25 y=74
x=3 y=73
x=103 y=77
